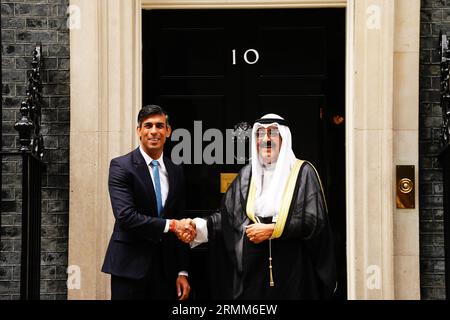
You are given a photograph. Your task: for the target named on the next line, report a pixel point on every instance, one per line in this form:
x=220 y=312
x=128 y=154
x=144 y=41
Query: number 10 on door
x=254 y=57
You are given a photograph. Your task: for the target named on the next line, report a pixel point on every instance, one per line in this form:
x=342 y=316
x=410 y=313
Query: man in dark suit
x=144 y=257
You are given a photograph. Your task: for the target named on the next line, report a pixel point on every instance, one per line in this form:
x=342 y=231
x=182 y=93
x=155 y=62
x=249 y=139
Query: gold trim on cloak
x=284 y=209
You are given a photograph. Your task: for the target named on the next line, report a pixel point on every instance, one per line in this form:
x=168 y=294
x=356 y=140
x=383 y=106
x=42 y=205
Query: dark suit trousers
x=154 y=286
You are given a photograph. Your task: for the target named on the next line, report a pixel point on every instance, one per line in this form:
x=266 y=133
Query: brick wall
x=24 y=22
x=435 y=16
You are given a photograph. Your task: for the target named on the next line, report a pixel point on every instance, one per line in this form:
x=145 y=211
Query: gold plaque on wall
x=225 y=180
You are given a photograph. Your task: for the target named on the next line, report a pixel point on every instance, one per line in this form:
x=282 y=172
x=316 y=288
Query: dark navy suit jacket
x=138 y=232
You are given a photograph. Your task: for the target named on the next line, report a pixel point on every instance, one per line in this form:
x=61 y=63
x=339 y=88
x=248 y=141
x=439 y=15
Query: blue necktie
x=157 y=183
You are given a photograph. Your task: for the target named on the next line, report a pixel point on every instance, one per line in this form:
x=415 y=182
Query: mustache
x=267 y=144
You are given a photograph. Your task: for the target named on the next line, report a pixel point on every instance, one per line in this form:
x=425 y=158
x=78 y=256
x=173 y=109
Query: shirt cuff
x=202 y=232
x=166 y=228
x=183 y=273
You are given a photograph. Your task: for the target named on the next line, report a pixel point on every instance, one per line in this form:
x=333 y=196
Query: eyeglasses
x=272 y=132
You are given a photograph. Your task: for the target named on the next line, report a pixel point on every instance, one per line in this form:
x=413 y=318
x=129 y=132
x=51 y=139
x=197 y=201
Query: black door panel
x=194 y=65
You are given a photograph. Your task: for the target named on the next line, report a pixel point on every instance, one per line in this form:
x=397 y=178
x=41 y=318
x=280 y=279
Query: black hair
x=149 y=110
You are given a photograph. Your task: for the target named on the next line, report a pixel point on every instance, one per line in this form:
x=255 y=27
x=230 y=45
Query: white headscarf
x=269 y=196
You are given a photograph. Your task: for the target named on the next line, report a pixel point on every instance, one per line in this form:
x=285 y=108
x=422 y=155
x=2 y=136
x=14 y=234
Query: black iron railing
x=31 y=151
x=444 y=49
x=29 y=125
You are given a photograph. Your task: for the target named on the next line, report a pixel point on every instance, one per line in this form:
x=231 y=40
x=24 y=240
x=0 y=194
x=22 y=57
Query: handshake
x=184 y=229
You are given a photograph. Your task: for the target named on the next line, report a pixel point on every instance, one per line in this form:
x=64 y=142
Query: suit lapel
x=143 y=174
x=171 y=174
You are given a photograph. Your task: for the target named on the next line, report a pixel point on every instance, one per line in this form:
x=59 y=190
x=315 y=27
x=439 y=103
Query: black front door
x=213 y=69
